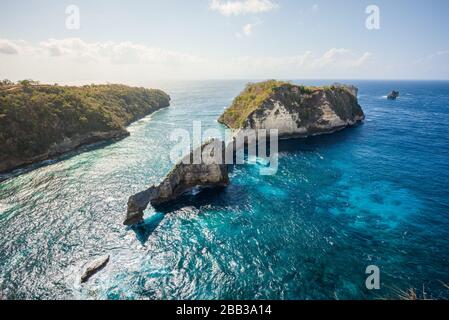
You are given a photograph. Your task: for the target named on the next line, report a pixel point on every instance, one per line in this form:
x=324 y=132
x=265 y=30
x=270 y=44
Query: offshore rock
x=94 y=267
x=393 y=95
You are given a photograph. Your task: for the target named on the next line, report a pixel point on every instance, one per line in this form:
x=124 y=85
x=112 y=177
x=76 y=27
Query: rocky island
x=38 y=122
x=296 y=111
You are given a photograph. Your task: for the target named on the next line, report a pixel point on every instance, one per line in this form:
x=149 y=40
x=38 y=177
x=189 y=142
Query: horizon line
x=135 y=83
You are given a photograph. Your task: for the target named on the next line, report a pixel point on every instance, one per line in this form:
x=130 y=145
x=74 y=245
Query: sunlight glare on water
x=374 y=194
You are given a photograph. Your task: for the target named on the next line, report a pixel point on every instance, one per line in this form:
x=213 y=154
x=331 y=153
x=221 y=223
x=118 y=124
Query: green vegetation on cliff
x=251 y=99
x=304 y=103
x=33 y=117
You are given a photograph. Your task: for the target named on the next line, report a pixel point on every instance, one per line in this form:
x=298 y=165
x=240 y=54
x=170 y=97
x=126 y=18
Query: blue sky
x=138 y=41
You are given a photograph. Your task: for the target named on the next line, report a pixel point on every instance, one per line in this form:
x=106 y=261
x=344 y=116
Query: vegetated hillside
x=248 y=101
x=41 y=121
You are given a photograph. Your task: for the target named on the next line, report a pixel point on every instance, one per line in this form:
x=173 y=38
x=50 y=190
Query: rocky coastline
x=40 y=122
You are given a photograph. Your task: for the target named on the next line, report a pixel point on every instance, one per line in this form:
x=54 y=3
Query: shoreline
x=87 y=140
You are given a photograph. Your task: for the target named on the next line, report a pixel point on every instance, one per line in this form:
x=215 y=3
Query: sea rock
x=93 y=267
x=296 y=111
x=393 y=95
x=187 y=175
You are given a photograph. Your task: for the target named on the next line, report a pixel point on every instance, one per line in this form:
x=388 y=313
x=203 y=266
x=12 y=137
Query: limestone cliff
x=296 y=111
x=185 y=176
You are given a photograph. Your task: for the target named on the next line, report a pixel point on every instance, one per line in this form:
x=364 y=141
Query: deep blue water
x=377 y=194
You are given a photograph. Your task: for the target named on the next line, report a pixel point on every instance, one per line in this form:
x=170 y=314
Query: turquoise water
x=376 y=194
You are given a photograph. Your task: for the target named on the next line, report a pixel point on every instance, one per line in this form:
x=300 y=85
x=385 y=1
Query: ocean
x=376 y=194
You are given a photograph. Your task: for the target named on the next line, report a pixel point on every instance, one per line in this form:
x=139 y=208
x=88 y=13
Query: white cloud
x=362 y=60
x=73 y=60
x=77 y=50
x=333 y=59
x=229 y=8
x=8 y=47
x=341 y=58
x=330 y=57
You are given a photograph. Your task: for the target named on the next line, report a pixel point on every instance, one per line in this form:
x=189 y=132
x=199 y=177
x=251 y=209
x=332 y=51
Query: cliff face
x=296 y=111
x=185 y=176
x=41 y=122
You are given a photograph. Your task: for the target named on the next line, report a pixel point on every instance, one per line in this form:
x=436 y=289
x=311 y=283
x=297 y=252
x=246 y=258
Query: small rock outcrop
x=93 y=267
x=295 y=111
x=208 y=171
x=393 y=95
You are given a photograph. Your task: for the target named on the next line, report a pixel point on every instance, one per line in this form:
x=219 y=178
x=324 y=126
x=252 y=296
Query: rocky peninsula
x=39 y=122
x=296 y=111
x=188 y=174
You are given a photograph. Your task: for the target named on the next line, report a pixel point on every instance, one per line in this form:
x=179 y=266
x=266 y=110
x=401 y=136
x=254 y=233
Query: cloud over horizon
x=334 y=59
x=141 y=62
x=113 y=52
x=8 y=47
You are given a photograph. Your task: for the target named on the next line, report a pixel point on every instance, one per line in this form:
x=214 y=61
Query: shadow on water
x=321 y=141
x=66 y=156
x=144 y=230
x=205 y=197
x=210 y=197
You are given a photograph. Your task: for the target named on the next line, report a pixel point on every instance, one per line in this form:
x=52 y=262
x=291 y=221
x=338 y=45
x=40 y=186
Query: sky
x=137 y=41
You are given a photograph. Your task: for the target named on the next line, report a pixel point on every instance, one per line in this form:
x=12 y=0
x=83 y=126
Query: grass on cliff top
x=250 y=99
x=33 y=117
